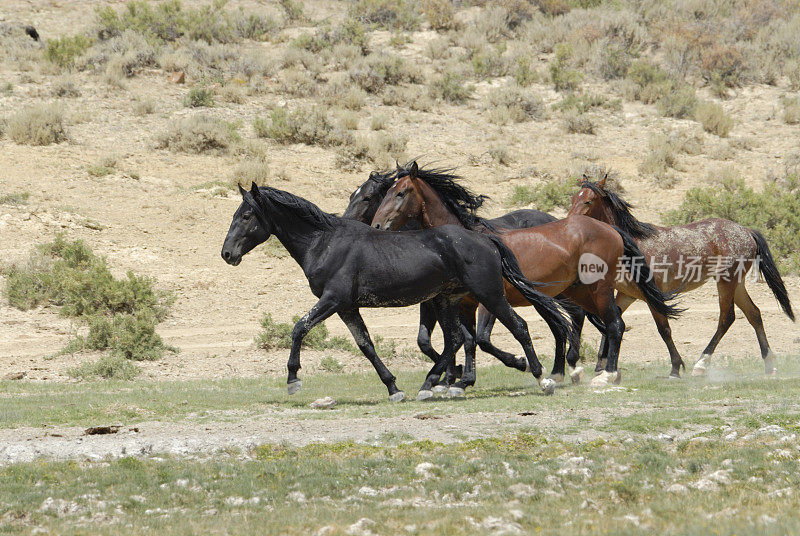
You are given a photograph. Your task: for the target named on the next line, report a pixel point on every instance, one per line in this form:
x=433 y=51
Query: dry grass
x=791 y=110
x=714 y=119
x=38 y=125
x=577 y=123
x=199 y=134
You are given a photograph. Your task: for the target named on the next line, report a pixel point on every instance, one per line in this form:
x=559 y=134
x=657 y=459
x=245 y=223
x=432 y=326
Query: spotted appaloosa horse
x=683 y=258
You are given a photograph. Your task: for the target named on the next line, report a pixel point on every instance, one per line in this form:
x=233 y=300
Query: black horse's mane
x=460 y=200
x=383 y=178
x=302 y=208
x=622 y=212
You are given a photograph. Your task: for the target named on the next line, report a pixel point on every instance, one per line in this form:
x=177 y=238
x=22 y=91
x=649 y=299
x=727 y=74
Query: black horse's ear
x=254 y=190
x=414 y=170
x=241 y=190
x=373 y=174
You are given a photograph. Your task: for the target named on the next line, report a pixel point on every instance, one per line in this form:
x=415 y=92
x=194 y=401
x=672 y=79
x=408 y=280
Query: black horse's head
x=366 y=199
x=249 y=227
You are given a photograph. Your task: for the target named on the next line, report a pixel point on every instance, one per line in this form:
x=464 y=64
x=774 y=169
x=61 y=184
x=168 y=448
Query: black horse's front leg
x=358 y=329
x=323 y=309
x=451 y=328
x=427 y=321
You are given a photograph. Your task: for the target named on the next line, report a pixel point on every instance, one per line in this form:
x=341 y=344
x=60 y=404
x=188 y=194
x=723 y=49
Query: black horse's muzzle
x=231 y=258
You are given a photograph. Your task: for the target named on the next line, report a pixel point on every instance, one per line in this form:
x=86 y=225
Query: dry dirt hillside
x=310 y=97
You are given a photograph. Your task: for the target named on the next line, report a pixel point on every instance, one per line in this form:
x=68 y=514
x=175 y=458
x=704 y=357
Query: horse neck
x=607 y=215
x=434 y=213
x=297 y=234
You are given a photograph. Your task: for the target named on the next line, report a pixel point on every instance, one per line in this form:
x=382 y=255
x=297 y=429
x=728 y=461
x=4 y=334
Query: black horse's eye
x=247 y=215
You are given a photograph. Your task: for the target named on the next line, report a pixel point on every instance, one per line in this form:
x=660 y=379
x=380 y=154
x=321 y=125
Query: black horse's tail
x=546 y=306
x=637 y=266
x=766 y=265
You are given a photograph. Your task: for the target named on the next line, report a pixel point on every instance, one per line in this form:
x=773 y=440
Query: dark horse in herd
x=456 y=265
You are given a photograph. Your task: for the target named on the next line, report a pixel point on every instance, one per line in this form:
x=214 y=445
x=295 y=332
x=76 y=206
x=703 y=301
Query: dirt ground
x=161 y=225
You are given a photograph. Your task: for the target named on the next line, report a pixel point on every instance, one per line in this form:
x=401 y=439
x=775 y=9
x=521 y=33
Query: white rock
x=425 y=469
x=368 y=491
x=666 y=438
x=632 y=519
x=325 y=531
x=516 y=514
x=521 y=490
x=704 y=484
x=731 y=436
x=677 y=488
x=723 y=476
x=182 y=482
x=361 y=527
x=767 y=519
x=781 y=493
x=324 y=403
x=297 y=496
x=499 y=526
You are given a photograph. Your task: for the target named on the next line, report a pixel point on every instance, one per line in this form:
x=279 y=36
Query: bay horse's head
x=249 y=228
x=590 y=200
x=365 y=200
x=403 y=202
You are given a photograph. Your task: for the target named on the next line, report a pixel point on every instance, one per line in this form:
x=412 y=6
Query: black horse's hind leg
x=358 y=329
x=573 y=355
x=427 y=321
x=323 y=309
x=470 y=373
x=447 y=312
x=484 y=332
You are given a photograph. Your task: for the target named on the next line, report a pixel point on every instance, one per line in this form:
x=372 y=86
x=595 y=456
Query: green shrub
x=304 y=125
x=389 y=14
x=546 y=196
x=379 y=70
x=199 y=134
x=121 y=313
x=775 y=211
x=64 y=50
x=39 y=125
x=680 y=103
x=652 y=85
x=330 y=364
x=440 y=14
x=451 y=87
x=293 y=10
x=488 y=63
x=109 y=368
x=279 y=335
x=584 y=102
x=562 y=77
x=198 y=97
x=714 y=119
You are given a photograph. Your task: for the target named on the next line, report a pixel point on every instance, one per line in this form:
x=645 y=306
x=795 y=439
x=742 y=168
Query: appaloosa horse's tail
x=768 y=269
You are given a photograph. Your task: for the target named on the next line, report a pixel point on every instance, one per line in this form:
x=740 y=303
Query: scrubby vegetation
x=37 y=125
x=199 y=134
x=714 y=119
x=278 y=335
x=120 y=314
x=546 y=196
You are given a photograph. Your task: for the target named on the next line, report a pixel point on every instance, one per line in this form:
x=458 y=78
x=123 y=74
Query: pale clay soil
x=160 y=225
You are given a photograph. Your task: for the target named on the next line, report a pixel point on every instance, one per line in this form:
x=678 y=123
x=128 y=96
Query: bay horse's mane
x=302 y=208
x=621 y=210
x=460 y=200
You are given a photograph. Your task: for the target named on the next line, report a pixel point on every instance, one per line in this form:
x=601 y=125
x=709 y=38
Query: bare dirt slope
x=165 y=224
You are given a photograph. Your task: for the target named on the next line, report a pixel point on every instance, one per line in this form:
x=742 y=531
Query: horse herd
x=466 y=271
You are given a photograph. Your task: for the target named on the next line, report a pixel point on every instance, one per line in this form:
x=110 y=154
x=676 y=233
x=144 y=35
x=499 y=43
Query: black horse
x=350 y=265
x=364 y=202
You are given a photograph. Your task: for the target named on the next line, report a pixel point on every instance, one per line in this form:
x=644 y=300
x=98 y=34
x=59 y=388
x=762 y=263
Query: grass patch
x=450 y=86
x=577 y=123
x=199 y=134
x=15 y=199
x=121 y=314
x=388 y=14
x=562 y=77
x=517 y=104
x=546 y=196
x=107 y=368
x=303 y=125
x=791 y=110
x=775 y=212
x=41 y=124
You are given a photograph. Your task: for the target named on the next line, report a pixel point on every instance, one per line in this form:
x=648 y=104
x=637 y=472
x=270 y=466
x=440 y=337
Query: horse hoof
x=558 y=378
x=700 y=367
x=424 y=394
x=399 y=396
x=618 y=379
x=456 y=392
x=769 y=366
x=439 y=389
x=674 y=376
x=604 y=378
x=293 y=387
x=548 y=386
x=576 y=375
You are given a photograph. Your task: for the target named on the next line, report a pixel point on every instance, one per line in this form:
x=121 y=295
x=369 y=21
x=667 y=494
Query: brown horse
x=683 y=258
x=558 y=254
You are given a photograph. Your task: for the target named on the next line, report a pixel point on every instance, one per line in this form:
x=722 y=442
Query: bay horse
x=553 y=254
x=363 y=204
x=350 y=265
x=716 y=248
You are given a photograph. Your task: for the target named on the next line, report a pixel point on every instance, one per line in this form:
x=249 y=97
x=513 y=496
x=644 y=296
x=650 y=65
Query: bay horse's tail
x=643 y=277
x=766 y=265
x=546 y=306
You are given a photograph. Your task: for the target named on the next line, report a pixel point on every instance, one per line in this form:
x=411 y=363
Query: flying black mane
x=621 y=210
x=383 y=178
x=460 y=200
x=302 y=208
